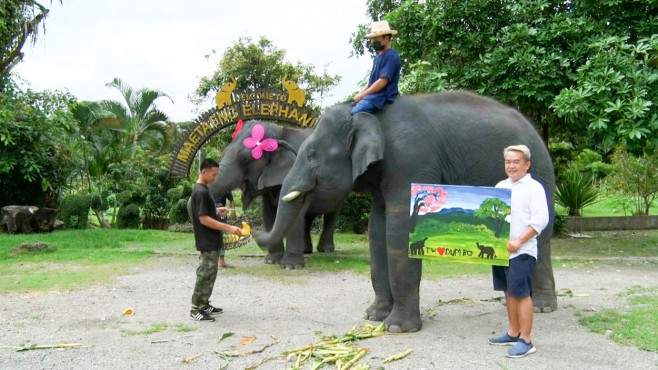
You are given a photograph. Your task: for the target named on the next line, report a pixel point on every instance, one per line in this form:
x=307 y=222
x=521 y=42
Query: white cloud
x=162 y=44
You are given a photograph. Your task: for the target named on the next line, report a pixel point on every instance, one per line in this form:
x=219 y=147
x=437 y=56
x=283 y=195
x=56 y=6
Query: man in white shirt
x=529 y=217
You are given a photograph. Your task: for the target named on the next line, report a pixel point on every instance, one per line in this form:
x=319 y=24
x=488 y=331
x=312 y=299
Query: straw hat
x=380 y=28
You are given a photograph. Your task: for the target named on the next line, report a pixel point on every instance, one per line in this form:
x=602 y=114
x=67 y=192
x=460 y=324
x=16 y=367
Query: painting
x=466 y=224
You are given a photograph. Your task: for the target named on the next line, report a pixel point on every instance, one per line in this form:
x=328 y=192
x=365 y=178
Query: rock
x=28 y=219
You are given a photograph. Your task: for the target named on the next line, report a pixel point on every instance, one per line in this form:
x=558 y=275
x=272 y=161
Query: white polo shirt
x=529 y=208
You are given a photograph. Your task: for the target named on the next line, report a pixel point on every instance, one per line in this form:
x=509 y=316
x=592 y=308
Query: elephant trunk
x=288 y=212
x=227 y=180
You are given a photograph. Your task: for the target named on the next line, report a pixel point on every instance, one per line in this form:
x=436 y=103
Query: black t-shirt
x=206 y=239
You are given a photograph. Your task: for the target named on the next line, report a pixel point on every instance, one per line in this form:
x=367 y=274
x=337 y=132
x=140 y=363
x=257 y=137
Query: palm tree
x=90 y=117
x=138 y=117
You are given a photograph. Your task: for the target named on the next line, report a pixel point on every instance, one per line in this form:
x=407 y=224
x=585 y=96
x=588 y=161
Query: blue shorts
x=517 y=278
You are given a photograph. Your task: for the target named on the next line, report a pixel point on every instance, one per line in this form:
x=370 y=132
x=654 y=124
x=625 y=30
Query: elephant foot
x=378 y=311
x=272 y=258
x=326 y=247
x=292 y=262
x=544 y=303
x=403 y=322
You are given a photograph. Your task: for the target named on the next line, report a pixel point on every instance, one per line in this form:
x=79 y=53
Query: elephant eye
x=312 y=155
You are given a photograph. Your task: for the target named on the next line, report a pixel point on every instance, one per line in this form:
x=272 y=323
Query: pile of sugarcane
x=342 y=351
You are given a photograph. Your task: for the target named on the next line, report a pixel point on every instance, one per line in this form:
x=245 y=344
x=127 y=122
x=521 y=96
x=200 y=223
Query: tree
x=527 y=52
x=19 y=21
x=138 y=119
x=636 y=177
x=36 y=158
x=496 y=210
x=613 y=93
x=261 y=65
x=90 y=117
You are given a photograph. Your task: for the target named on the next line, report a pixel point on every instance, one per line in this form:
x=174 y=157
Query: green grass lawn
x=607 y=206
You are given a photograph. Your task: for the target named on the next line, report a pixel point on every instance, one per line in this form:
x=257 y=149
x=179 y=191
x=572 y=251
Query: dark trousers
x=206 y=274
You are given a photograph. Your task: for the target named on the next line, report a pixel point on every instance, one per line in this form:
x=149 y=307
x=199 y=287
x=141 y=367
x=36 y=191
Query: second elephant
x=259 y=171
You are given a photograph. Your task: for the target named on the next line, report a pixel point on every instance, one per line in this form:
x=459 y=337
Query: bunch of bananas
x=234 y=241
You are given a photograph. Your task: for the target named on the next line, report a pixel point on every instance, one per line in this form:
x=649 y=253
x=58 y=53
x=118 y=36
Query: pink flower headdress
x=257 y=144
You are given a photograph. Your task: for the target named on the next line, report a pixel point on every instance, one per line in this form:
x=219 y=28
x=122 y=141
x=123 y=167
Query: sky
x=162 y=44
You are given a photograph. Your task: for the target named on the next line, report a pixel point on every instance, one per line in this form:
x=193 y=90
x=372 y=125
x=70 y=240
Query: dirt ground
x=296 y=311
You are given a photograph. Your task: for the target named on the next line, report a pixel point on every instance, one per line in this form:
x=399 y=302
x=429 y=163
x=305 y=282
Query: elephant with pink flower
x=257 y=161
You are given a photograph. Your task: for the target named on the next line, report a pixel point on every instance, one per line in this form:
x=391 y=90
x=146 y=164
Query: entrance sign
x=468 y=224
x=266 y=104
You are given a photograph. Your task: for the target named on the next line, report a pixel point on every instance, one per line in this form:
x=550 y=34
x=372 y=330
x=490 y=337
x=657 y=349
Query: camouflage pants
x=206 y=274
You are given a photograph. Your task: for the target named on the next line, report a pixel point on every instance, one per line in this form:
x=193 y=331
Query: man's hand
x=222 y=211
x=513 y=245
x=235 y=230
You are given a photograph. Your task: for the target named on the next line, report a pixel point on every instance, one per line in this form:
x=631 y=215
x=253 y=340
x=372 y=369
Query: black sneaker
x=201 y=316
x=211 y=309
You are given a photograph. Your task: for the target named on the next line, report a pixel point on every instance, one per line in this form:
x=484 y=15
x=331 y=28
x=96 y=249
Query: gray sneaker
x=504 y=340
x=521 y=349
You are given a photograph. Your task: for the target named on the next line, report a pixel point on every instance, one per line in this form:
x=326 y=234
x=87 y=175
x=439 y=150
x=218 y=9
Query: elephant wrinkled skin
x=263 y=177
x=452 y=138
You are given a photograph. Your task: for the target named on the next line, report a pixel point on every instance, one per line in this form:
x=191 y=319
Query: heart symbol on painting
x=441 y=250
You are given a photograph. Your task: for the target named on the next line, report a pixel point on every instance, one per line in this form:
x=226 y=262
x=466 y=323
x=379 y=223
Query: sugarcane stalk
x=361 y=352
x=42 y=346
x=398 y=356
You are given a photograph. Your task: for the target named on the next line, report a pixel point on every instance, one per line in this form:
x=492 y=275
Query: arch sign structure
x=267 y=104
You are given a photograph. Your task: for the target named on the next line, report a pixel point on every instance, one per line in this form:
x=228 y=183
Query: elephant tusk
x=290 y=196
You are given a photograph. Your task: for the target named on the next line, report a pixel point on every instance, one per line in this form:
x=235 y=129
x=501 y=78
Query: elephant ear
x=366 y=142
x=278 y=165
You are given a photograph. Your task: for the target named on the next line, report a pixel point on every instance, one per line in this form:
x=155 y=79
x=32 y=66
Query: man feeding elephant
x=529 y=217
x=383 y=83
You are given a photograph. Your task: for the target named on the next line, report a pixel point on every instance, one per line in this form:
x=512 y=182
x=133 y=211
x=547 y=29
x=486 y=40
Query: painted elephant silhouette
x=224 y=95
x=489 y=252
x=452 y=138
x=417 y=248
x=295 y=94
x=263 y=178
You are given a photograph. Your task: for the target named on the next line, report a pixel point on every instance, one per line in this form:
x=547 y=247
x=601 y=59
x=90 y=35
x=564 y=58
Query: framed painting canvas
x=467 y=224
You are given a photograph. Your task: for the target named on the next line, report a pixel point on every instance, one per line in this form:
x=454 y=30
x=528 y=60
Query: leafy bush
x=99 y=202
x=636 y=177
x=355 y=213
x=128 y=217
x=74 y=211
x=559 y=224
x=178 y=213
x=575 y=191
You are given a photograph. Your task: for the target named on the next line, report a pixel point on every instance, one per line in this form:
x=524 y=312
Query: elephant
x=295 y=94
x=418 y=247
x=485 y=251
x=263 y=177
x=452 y=138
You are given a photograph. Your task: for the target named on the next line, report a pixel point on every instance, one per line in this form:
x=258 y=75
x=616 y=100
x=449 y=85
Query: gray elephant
x=446 y=138
x=263 y=177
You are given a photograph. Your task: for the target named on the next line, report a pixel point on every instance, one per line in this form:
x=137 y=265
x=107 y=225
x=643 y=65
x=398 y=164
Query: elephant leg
x=383 y=304
x=326 y=242
x=404 y=274
x=544 y=298
x=293 y=258
x=275 y=252
x=308 y=223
